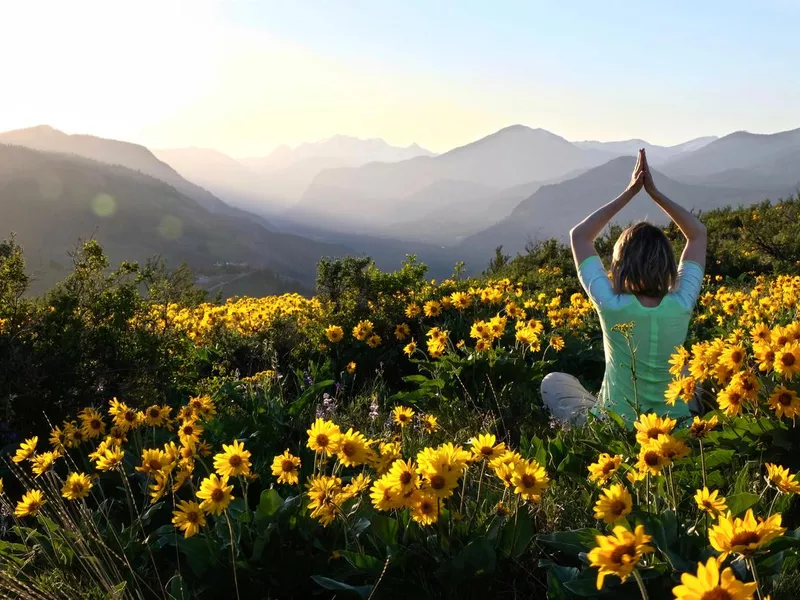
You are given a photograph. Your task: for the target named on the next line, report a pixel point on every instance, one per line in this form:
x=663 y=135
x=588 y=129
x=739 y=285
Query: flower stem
x=703 y=462
x=752 y=564
x=640 y=581
x=233 y=555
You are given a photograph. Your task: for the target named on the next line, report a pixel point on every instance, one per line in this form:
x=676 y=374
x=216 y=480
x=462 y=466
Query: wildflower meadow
x=386 y=438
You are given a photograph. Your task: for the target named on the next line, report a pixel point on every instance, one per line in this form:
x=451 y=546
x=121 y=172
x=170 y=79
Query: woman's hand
x=638 y=175
x=649 y=186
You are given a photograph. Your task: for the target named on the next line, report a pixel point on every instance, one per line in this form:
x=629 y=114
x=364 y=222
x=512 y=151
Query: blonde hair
x=643 y=263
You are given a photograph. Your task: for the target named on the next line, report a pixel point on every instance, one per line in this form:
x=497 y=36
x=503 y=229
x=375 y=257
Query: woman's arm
x=691 y=227
x=582 y=236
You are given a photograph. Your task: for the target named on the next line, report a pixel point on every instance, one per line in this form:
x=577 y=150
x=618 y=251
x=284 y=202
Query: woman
x=644 y=288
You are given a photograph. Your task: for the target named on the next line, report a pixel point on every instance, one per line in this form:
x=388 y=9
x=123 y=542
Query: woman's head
x=643 y=263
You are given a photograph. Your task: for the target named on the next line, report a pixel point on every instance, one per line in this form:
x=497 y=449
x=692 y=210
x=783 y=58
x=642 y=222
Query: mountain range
x=276 y=216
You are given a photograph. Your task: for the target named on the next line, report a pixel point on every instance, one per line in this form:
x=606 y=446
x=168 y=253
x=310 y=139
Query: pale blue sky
x=245 y=75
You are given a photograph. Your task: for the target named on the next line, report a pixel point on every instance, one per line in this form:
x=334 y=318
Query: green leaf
x=570 y=542
x=363 y=591
x=415 y=379
x=718 y=457
x=385 y=528
x=516 y=538
x=362 y=562
x=739 y=503
x=268 y=504
x=308 y=396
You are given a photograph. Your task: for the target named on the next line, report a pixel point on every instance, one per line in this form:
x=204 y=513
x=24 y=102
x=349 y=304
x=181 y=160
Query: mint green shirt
x=656 y=333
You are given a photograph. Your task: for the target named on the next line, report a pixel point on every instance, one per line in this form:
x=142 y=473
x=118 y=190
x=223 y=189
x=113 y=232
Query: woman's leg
x=567 y=399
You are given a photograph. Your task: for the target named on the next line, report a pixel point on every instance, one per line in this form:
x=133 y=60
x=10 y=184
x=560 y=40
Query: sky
x=244 y=76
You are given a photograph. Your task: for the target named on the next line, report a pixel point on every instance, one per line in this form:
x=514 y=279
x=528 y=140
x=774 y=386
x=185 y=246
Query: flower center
x=622 y=555
x=745 y=538
x=405 y=477
x=192 y=517
x=235 y=460
x=617 y=507
x=95 y=424
x=287 y=466
x=217 y=495
x=785 y=399
x=528 y=480
x=348 y=449
x=787 y=359
x=608 y=467
x=154 y=464
x=77 y=487
x=487 y=450
x=130 y=416
x=154 y=413
x=654 y=432
x=188 y=430
x=437 y=482
x=322 y=440
x=426 y=507
x=736 y=356
x=716 y=594
x=651 y=458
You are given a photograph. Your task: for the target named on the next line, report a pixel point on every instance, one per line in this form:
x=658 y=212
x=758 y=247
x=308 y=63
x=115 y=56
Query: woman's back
x=654 y=334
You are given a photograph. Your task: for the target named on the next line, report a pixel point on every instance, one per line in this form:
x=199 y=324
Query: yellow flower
x=285 y=467
x=442 y=467
x=649 y=426
x=124 y=416
x=670 y=448
x=530 y=480
x=782 y=479
x=402 y=331
x=731 y=400
x=357 y=485
x=324 y=436
x=153 y=461
x=43 y=462
x=110 y=458
x=363 y=330
x=733 y=357
x=678 y=360
x=189 y=432
x=403 y=476
x=353 y=449
x=557 y=342
x=351 y=367
x=787 y=360
x=604 y=469
x=744 y=536
x=58 y=439
x=323 y=492
x=432 y=308
x=650 y=460
x=410 y=348
x=619 y=553
x=412 y=311
x=710 y=502
x=334 y=333
x=215 y=494
x=26 y=449
x=485 y=447
x=430 y=424
x=461 y=300
x=189 y=518
x=156 y=416
x=615 y=502
x=402 y=415
x=374 y=341
x=784 y=402
x=30 y=504
x=425 y=507
x=708 y=584
x=203 y=406
x=700 y=428
x=92 y=424
x=384 y=495
x=78 y=485
x=233 y=461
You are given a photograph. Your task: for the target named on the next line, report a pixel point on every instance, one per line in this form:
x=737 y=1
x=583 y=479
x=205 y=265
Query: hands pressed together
x=641 y=176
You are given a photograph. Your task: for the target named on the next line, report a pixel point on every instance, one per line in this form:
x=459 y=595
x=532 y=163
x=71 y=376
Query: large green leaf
x=308 y=396
x=268 y=504
x=362 y=562
x=570 y=542
x=739 y=503
x=385 y=528
x=516 y=537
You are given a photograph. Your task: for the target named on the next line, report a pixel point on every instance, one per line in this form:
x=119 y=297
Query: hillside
x=773 y=157
x=51 y=200
x=512 y=156
x=655 y=154
x=125 y=154
x=553 y=209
